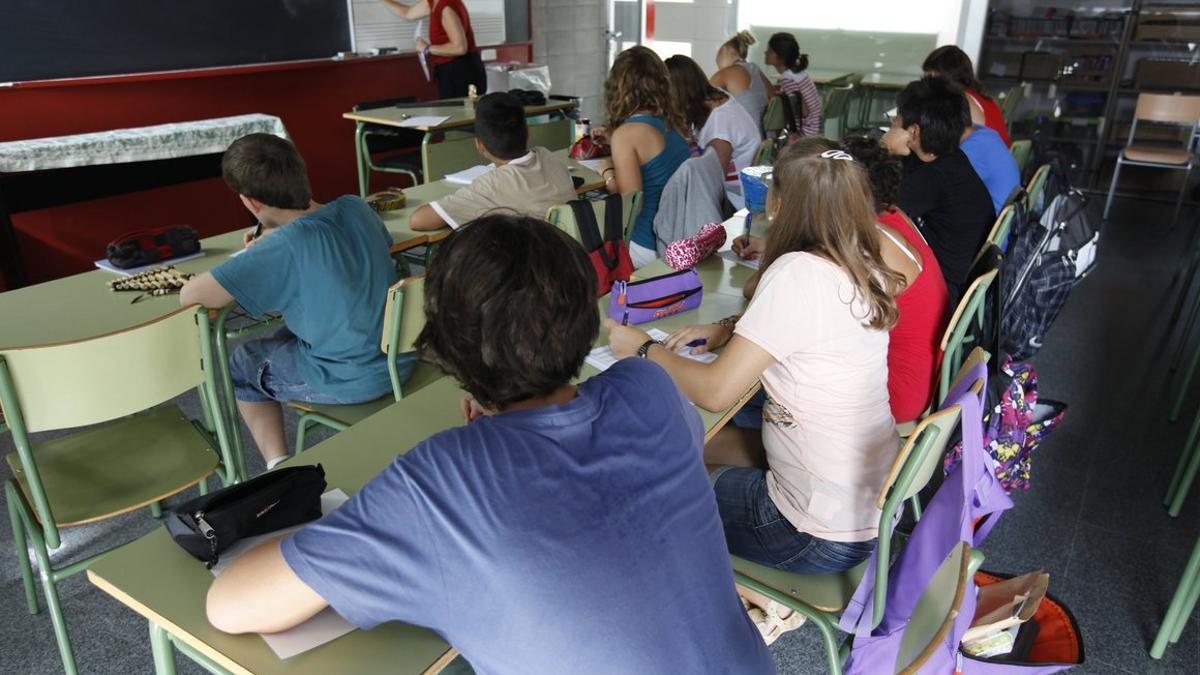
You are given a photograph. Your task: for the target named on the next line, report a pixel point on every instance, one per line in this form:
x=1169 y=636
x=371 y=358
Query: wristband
x=645 y=348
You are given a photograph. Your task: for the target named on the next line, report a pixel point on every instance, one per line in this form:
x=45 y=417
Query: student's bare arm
x=457 y=45
x=417 y=10
x=203 y=289
x=625 y=160
x=724 y=150
x=259 y=593
x=425 y=219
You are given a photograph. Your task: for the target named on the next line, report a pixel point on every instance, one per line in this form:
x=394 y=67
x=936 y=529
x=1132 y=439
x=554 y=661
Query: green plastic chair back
x=1036 y=185
x=835 y=101
x=935 y=612
x=959 y=329
x=562 y=217
x=774 y=118
x=1000 y=228
x=403 y=320
x=843 y=80
x=1009 y=102
x=765 y=153
x=1021 y=151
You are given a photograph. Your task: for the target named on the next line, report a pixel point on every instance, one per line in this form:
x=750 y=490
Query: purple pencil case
x=637 y=302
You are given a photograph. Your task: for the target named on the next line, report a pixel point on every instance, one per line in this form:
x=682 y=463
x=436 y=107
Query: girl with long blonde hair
x=644 y=132
x=800 y=494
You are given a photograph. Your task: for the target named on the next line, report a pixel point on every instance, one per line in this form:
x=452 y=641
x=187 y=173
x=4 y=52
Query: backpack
x=609 y=254
x=1015 y=424
x=964 y=510
x=1048 y=257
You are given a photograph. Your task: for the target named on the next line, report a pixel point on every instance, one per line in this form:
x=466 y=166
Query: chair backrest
x=1021 y=151
x=403 y=320
x=94 y=380
x=936 y=611
x=562 y=217
x=1000 y=228
x=1168 y=109
x=1010 y=101
x=1036 y=185
x=953 y=340
x=774 y=117
x=835 y=101
x=765 y=153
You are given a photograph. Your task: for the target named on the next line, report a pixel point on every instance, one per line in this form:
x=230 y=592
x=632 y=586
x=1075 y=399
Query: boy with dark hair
x=563 y=529
x=941 y=191
x=526 y=181
x=325 y=267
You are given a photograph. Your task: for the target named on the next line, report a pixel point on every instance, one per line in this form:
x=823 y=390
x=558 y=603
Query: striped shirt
x=800 y=83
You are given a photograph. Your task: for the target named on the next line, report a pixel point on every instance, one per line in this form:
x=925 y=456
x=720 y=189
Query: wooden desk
x=457 y=134
x=156 y=579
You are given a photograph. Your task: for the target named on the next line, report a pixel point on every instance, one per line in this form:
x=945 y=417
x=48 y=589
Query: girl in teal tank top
x=655 y=175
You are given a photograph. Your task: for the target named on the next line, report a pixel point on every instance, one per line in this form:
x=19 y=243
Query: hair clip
x=837 y=154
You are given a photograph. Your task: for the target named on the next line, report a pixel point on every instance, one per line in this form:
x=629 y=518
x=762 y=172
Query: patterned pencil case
x=637 y=302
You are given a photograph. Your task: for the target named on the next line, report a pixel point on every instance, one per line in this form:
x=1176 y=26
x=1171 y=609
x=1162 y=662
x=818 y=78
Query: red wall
x=309 y=97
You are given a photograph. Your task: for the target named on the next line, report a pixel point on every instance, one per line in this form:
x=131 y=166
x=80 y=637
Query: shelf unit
x=1076 y=63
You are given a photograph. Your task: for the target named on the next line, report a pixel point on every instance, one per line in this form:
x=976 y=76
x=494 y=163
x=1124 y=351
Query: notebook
x=468 y=176
x=105 y=265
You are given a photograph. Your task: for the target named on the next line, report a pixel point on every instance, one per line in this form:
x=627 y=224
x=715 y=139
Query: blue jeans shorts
x=755 y=530
x=268 y=369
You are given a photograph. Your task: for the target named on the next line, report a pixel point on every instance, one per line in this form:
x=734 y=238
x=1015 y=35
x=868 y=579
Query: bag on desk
x=607 y=250
x=211 y=523
x=146 y=247
x=641 y=301
x=589 y=148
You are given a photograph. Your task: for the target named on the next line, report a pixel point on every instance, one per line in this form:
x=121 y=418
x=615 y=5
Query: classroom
x=600 y=337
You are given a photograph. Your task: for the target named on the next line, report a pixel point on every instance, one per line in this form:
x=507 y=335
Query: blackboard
x=45 y=39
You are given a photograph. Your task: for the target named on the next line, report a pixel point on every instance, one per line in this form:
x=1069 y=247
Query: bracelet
x=729 y=321
x=645 y=348
x=606 y=170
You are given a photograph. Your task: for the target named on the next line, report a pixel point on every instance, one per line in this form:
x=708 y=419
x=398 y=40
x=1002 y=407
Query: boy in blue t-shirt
x=563 y=529
x=325 y=267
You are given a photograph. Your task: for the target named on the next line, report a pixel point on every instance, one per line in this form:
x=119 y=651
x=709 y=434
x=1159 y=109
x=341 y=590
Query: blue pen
x=749 y=223
x=697 y=342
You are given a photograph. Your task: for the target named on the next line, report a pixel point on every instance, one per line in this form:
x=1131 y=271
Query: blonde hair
x=826 y=208
x=740 y=43
x=637 y=81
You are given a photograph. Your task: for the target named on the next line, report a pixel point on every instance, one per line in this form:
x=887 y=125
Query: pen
x=749 y=222
x=257 y=230
x=697 y=342
x=625 y=319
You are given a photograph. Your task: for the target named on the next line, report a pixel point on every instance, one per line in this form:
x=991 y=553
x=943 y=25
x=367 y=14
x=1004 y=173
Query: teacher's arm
x=418 y=10
x=457 y=45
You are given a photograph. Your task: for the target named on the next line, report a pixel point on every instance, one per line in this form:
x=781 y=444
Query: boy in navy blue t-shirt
x=325 y=267
x=564 y=529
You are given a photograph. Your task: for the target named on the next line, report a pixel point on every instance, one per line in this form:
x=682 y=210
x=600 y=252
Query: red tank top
x=914 y=346
x=992 y=117
x=437 y=32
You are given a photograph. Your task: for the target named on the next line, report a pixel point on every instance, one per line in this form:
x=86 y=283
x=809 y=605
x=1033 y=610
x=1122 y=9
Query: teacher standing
x=451 y=47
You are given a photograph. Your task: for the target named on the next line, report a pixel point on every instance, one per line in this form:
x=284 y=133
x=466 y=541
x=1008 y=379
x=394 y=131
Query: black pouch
x=146 y=247
x=209 y=524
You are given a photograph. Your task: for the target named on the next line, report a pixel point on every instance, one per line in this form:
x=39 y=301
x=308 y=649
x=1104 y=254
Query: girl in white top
x=816 y=333
x=742 y=79
x=717 y=121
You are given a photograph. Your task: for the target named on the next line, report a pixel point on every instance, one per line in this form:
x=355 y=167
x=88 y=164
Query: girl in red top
x=451 y=47
x=954 y=64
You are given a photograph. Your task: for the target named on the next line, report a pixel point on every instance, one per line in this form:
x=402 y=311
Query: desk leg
x=11 y=264
x=160 y=647
x=364 y=176
x=425 y=156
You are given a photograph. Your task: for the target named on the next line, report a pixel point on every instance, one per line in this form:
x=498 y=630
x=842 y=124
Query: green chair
x=765 y=153
x=778 y=118
x=562 y=217
x=1009 y=103
x=140 y=453
x=1000 y=229
x=936 y=611
x=403 y=319
x=1181 y=607
x=836 y=108
x=1037 y=185
x=823 y=597
x=964 y=328
x=388 y=138
x=1021 y=151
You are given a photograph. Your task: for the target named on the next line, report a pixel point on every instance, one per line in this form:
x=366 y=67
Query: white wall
x=568 y=35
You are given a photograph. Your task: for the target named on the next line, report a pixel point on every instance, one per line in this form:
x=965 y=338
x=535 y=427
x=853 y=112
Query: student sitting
x=954 y=64
x=816 y=333
x=564 y=528
x=940 y=189
x=325 y=267
x=644 y=133
x=992 y=161
x=527 y=181
x=717 y=121
x=742 y=79
x=783 y=54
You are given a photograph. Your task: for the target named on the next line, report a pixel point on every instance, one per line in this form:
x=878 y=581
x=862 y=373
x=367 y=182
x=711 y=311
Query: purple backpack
x=964 y=510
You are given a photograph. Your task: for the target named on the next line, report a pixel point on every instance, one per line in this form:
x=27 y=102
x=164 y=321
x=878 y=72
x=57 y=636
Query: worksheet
x=601 y=358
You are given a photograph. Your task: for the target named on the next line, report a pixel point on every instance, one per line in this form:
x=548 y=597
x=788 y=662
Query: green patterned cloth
x=139 y=144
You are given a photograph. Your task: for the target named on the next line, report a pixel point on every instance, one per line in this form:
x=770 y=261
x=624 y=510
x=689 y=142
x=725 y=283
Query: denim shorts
x=755 y=530
x=268 y=369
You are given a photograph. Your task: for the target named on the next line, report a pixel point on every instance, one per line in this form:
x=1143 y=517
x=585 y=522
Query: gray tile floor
x=1093 y=517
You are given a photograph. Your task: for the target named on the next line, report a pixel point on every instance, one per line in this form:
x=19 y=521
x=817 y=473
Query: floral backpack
x=1015 y=426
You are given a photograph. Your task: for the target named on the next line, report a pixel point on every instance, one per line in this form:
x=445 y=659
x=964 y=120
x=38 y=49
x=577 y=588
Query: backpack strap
x=614 y=219
x=589 y=231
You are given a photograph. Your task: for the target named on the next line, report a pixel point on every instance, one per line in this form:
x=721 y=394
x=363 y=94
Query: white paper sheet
x=468 y=176
x=593 y=164
x=601 y=358
x=421 y=53
x=424 y=120
x=105 y=265
x=326 y=626
x=733 y=257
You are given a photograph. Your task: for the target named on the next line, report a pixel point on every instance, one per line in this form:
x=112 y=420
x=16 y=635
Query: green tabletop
x=459 y=115
x=874 y=80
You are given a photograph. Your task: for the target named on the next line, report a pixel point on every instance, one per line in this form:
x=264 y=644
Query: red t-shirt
x=437 y=32
x=914 y=348
x=992 y=117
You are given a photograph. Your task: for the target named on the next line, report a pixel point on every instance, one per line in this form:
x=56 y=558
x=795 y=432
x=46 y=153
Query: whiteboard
x=373 y=25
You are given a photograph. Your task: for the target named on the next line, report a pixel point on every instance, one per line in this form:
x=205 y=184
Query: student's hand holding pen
x=249 y=237
x=624 y=340
x=699 y=338
x=751 y=251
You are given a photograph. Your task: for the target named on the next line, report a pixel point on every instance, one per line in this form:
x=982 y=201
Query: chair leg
x=156 y=510
x=301 y=432
x=162 y=650
x=1175 y=616
x=1185 y=384
x=1189 y=605
x=1112 y=189
x=22 y=546
x=360 y=153
x=50 y=588
x=1192 y=457
x=1189 y=447
x=1188 y=277
x=1179 y=200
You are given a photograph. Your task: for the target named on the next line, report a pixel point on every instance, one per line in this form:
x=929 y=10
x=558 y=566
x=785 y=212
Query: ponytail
x=801 y=64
